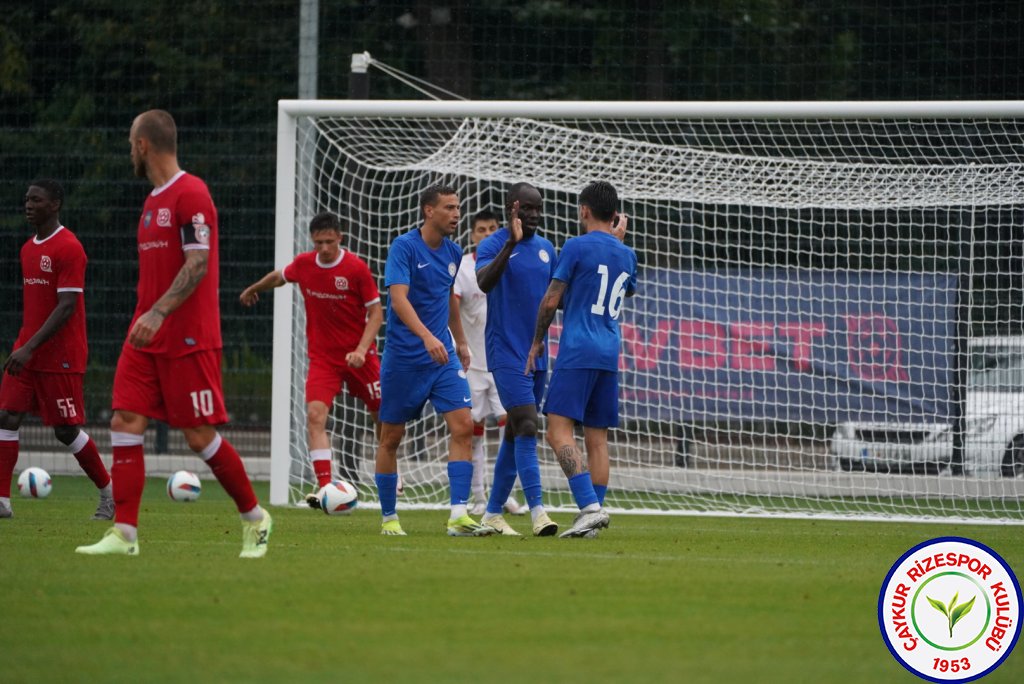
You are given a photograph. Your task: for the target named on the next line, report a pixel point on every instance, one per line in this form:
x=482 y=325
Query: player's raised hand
x=249 y=297
x=619 y=226
x=355 y=359
x=515 y=224
x=435 y=348
x=145 y=328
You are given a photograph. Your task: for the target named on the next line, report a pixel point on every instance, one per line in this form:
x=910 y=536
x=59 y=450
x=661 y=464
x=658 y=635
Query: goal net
x=816 y=281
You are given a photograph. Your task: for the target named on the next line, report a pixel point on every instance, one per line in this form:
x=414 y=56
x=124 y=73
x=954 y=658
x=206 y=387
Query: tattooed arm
x=191 y=274
x=545 y=314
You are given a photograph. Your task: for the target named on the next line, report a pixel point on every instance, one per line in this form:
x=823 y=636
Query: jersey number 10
x=617 y=295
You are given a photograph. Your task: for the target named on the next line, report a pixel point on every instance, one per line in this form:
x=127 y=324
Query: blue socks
x=600 y=491
x=529 y=470
x=460 y=479
x=504 y=477
x=582 y=490
x=387 y=492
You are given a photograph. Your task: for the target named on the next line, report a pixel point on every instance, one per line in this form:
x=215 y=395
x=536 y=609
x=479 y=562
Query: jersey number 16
x=618 y=293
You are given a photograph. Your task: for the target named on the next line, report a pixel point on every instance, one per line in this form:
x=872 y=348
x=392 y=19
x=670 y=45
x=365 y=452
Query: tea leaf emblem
x=954 y=613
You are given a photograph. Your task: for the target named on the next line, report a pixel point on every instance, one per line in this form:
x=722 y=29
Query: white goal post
x=810 y=272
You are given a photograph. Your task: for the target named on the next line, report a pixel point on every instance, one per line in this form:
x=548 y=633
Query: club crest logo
x=147 y=218
x=202 y=230
x=949 y=610
x=451 y=269
x=544 y=256
x=341 y=283
x=875 y=348
x=163 y=217
x=45 y=265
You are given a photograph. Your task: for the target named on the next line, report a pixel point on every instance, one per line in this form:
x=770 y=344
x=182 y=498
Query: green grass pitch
x=654 y=599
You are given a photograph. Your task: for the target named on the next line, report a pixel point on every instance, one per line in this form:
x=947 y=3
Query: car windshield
x=997 y=370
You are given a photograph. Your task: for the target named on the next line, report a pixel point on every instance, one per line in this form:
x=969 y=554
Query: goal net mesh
x=800 y=342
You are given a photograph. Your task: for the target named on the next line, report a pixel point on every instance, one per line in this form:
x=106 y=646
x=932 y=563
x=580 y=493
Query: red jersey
x=50 y=266
x=177 y=217
x=336 y=297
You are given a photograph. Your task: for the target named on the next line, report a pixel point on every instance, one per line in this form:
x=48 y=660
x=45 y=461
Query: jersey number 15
x=618 y=293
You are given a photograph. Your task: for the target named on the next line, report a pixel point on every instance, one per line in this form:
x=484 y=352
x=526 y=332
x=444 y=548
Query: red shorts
x=184 y=391
x=57 y=398
x=325 y=379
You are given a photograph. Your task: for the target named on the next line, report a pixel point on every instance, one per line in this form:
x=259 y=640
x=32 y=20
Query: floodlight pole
x=359 y=77
x=309 y=47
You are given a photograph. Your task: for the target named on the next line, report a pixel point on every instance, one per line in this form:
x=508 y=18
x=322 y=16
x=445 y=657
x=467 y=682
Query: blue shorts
x=403 y=393
x=586 y=395
x=517 y=389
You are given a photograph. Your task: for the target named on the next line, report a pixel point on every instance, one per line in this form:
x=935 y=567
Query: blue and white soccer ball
x=338 y=498
x=34 y=483
x=184 y=486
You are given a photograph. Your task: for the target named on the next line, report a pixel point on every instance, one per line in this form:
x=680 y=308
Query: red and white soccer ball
x=34 y=483
x=338 y=498
x=184 y=486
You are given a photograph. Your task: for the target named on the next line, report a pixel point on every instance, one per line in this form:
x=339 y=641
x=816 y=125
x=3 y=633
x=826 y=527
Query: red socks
x=8 y=459
x=128 y=475
x=227 y=467
x=88 y=458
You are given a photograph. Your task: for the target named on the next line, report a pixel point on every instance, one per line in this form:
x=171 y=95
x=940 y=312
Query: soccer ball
x=338 y=498
x=34 y=483
x=184 y=486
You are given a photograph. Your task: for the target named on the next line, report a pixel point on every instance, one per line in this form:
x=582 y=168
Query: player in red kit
x=170 y=363
x=44 y=373
x=343 y=316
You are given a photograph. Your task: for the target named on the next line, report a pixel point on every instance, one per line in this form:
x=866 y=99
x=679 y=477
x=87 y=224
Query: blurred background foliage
x=73 y=73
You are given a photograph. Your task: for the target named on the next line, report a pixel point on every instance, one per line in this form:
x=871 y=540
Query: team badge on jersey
x=163 y=217
x=451 y=269
x=341 y=282
x=45 y=265
x=543 y=254
x=147 y=218
x=202 y=230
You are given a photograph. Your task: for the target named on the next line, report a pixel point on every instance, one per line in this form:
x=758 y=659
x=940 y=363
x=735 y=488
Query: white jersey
x=473 y=309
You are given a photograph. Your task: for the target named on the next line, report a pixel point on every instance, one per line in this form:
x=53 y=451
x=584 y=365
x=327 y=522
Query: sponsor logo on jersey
x=324 y=295
x=190 y=341
x=202 y=230
x=163 y=217
x=45 y=264
x=153 y=244
x=147 y=218
x=451 y=269
x=36 y=281
x=341 y=282
x=544 y=256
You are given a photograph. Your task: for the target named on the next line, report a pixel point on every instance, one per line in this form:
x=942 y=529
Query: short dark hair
x=514 y=190
x=602 y=199
x=325 y=220
x=158 y=127
x=432 y=192
x=54 y=190
x=483 y=215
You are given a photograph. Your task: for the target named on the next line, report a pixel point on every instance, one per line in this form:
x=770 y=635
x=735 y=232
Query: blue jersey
x=512 y=303
x=600 y=272
x=429 y=273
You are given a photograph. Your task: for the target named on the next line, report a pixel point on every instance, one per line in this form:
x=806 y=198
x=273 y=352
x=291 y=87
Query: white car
x=994 y=439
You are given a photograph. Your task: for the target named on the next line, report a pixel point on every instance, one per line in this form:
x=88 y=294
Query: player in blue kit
x=514 y=267
x=595 y=273
x=425 y=357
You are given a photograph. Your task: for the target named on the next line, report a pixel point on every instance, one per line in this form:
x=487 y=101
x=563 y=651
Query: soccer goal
x=811 y=278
